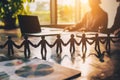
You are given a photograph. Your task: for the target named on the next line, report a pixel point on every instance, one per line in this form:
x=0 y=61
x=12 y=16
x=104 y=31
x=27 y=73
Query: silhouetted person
x=10 y=45
x=59 y=42
x=93 y=19
x=26 y=43
x=43 y=43
x=116 y=26
x=72 y=42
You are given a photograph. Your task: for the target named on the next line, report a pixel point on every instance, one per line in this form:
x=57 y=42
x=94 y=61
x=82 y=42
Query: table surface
x=90 y=67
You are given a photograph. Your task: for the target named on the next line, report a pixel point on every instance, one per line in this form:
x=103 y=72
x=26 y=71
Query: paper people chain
x=59 y=43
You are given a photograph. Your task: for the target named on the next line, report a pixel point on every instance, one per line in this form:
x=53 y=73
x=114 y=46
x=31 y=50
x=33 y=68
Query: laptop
x=29 y=24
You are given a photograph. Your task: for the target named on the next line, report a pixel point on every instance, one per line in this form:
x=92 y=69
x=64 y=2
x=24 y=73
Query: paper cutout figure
x=99 y=55
x=108 y=41
x=83 y=42
x=43 y=43
x=107 y=44
x=59 y=42
x=72 y=43
x=10 y=45
x=26 y=43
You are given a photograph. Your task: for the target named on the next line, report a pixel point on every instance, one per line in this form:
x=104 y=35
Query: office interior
x=55 y=15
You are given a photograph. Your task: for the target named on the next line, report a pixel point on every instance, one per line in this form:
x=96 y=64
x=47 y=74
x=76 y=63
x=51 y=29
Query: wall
x=110 y=6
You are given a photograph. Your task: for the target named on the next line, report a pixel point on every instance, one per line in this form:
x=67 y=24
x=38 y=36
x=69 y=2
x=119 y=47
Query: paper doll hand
x=18 y=46
x=35 y=46
x=51 y=46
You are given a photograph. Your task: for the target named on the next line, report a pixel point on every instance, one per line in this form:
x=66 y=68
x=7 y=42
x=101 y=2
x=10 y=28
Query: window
x=65 y=11
x=41 y=8
x=84 y=7
x=58 y=12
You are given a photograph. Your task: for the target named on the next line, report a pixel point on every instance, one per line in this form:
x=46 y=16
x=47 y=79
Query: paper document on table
x=35 y=69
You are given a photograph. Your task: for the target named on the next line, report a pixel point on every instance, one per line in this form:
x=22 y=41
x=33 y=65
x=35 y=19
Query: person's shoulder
x=118 y=7
x=103 y=11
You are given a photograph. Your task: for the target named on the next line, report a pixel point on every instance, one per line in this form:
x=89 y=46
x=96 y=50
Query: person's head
x=25 y=37
x=43 y=37
x=72 y=35
x=94 y=3
x=9 y=37
x=58 y=36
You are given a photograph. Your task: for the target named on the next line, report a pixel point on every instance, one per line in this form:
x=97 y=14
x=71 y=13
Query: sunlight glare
x=84 y=1
x=66 y=2
x=32 y=6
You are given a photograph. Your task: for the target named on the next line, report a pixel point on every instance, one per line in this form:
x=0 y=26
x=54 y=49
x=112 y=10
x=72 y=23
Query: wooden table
x=90 y=68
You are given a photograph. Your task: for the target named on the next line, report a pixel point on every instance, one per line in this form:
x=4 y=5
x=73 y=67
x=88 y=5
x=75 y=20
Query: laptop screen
x=29 y=24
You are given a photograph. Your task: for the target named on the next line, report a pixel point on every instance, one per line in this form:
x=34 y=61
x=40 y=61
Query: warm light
x=84 y=7
x=32 y=6
x=25 y=5
x=84 y=1
x=66 y=2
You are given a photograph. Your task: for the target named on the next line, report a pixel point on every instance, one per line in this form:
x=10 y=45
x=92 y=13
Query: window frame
x=53 y=15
